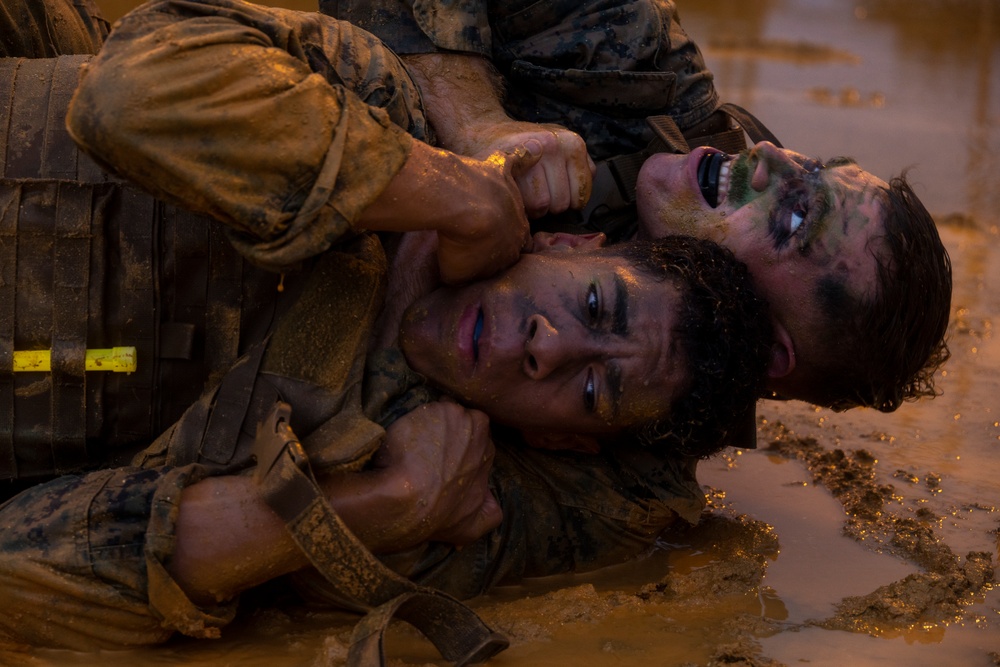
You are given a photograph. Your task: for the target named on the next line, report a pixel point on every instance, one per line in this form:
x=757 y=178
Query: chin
x=414 y=348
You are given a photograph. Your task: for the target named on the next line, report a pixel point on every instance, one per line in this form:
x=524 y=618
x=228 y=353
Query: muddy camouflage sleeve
x=420 y=26
x=598 y=67
x=567 y=513
x=563 y=512
x=82 y=562
x=284 y=125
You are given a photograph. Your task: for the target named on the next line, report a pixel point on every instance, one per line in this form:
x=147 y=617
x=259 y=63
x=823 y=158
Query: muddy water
x=856 y=538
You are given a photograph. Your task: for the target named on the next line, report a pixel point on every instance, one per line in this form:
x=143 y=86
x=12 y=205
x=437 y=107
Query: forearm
x=462 y=97
x=473 y=205
x=246 y=130
x=437 y=190
x=463 y=101
x=228 y=540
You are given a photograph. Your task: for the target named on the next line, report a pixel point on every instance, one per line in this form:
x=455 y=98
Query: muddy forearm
x=463 y=101
x=219 y=112
x=228 y=540
x=462 y=97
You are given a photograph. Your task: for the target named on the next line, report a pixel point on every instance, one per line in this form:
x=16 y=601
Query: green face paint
x=739 y=181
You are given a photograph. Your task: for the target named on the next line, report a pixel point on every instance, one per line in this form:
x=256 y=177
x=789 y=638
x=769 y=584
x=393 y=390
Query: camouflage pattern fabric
x=598 y=67
x=290 y=167
x=81 y=562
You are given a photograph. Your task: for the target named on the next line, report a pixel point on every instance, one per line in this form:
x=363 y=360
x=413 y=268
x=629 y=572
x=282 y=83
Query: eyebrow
x=824 y=198
x=619 y=318
x=619 y=327
x=614 y=375
x=840 y=161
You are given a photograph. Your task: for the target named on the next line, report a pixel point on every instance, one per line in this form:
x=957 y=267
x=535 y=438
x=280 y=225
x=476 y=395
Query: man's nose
x=547 y=348
x=771 y=160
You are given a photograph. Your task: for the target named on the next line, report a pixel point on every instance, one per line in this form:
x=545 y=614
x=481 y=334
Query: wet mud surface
x=856 y=538
x=879 y=515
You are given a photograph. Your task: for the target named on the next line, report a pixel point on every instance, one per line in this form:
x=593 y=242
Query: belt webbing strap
x=8 y=75
x=286 y=484
x=755 y=129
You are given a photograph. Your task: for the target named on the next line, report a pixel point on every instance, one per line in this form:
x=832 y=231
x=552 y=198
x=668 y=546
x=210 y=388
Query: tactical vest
x=90 y=261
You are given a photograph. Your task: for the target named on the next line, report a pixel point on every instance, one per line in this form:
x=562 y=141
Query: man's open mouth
x=476 y=332
x=713 y=177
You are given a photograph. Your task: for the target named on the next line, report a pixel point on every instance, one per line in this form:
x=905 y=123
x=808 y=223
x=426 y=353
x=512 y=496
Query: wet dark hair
x=725 y=335
x=884 y=348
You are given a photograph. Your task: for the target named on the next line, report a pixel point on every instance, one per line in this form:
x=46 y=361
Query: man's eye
x=590 y=393
x=593 y=303
x=797 y=218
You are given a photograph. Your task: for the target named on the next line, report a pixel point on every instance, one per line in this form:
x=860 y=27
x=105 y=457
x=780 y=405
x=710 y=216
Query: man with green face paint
x=858 y=279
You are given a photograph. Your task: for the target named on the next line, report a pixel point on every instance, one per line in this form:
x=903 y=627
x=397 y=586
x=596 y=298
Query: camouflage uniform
x=82 y=557
x=598 y=67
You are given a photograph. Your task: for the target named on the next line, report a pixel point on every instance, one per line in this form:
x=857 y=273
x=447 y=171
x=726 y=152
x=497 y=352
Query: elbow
x=98 y=117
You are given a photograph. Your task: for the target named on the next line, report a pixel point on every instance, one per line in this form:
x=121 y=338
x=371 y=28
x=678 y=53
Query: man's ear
x=563 y=241
x=782 y=353
x=563 y=441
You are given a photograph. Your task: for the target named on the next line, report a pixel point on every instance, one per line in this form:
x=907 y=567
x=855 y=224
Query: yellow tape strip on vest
x=115 y=359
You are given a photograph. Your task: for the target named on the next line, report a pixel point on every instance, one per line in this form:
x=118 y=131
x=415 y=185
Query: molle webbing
x=34 y=142
x=87 y=260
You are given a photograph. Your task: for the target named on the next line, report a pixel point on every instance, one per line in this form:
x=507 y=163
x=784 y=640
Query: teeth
x=723 y=183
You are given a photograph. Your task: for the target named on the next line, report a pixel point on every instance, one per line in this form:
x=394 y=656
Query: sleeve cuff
x=166 y=599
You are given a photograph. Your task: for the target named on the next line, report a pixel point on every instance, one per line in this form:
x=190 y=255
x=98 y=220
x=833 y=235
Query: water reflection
x=904 y=83
x=937 y=33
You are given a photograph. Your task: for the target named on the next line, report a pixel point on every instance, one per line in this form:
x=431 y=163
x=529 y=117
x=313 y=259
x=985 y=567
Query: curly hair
x=883 y=348
x=725 y=334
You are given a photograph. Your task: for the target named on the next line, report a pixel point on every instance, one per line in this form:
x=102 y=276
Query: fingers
x=474 y=509
x=560 y=179
x=581 y=179
x=478 y=512
x=486 y=518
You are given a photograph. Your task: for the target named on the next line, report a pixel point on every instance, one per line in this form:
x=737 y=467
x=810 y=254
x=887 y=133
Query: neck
x=413 y=273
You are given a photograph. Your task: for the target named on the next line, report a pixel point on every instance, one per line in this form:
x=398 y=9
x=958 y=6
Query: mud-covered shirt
x=83 y=557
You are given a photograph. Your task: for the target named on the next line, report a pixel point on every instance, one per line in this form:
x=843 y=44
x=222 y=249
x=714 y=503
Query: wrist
x=380 y=507
x=462 y=96
x=434 y=190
